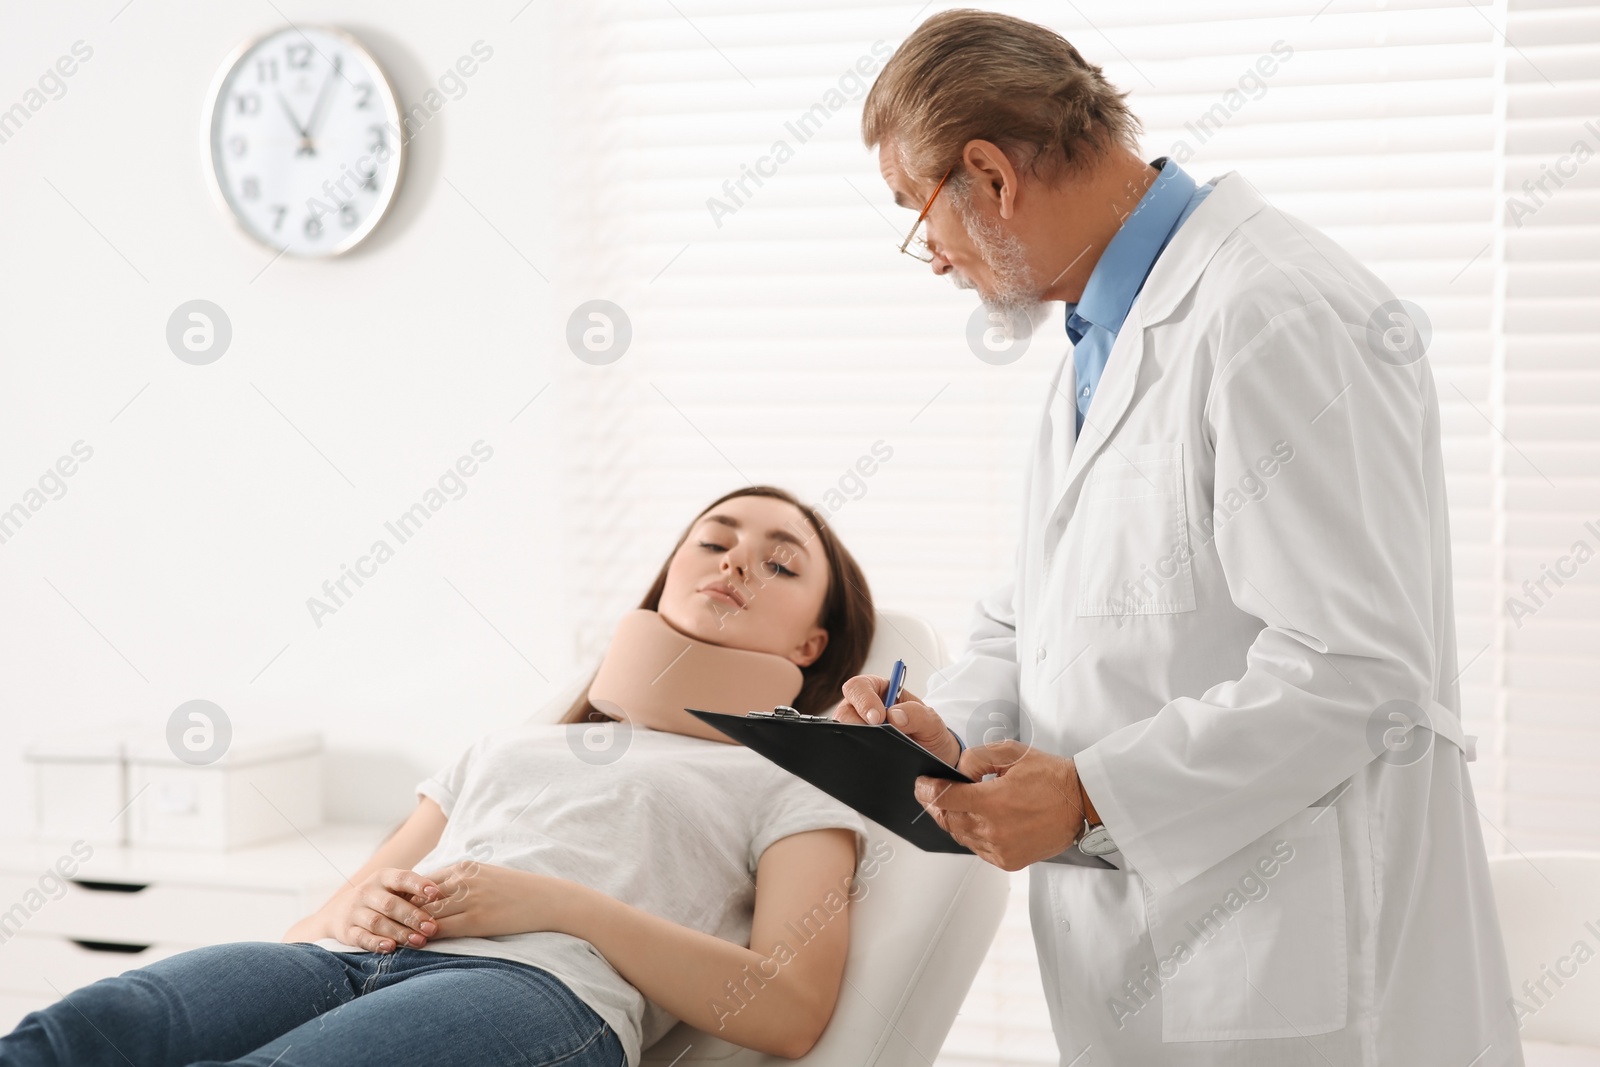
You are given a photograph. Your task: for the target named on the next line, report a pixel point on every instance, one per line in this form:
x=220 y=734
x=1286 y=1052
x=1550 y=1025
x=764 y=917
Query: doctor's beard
x=1016 y=291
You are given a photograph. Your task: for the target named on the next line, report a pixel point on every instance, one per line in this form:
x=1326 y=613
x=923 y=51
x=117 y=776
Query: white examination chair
x=1547 y=902
x=917 y=935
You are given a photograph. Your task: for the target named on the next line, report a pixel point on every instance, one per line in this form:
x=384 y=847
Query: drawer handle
x=110 y=946
x=109 y=887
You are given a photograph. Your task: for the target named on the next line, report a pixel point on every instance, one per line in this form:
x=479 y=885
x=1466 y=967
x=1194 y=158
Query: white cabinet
x=126 y=906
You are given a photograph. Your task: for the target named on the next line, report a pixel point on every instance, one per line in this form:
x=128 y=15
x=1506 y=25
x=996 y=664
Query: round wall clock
x=303 y=140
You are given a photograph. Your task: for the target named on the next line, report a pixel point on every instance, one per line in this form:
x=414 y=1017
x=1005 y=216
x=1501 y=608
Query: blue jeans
x=263 y=1003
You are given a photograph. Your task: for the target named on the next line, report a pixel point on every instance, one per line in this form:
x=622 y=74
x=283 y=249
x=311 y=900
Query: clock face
x=304 y=140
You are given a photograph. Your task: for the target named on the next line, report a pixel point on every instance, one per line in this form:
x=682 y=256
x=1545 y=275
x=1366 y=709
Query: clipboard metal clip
x=784 y=711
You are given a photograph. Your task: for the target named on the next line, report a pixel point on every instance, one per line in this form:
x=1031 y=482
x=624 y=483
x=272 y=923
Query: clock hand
x=322 y=98
x=305 y=138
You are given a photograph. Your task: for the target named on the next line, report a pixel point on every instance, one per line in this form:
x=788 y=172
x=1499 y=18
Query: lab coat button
x=1041 y=652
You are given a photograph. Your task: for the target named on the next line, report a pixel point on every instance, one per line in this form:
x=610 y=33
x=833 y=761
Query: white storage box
x=80 y=787
x=260 y=789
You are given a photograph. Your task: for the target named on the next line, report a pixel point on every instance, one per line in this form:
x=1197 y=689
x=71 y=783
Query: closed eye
x=780 y=568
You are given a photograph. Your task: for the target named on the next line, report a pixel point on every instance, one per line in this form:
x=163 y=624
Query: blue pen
x=897 y=678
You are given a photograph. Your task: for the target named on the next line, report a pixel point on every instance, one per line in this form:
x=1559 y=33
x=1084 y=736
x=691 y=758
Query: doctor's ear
x=990 y=176
x=810 y=649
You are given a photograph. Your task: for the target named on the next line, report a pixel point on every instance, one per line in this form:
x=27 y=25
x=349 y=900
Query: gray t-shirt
x=670 y=824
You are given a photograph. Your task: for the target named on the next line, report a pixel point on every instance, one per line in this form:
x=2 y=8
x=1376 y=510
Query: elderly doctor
x=1218 y=696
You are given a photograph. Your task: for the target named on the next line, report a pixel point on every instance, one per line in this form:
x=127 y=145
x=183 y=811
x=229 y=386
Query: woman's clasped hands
x=375 y=914
x=465 y=899
x=476 y=899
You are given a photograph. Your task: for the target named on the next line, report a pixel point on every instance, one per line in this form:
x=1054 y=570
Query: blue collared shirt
x=1094 y=320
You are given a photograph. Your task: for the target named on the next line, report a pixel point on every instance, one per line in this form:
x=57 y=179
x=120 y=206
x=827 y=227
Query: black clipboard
x=869 y=768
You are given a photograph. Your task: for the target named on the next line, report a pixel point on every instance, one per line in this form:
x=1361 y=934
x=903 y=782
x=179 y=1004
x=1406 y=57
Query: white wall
x=178 y=562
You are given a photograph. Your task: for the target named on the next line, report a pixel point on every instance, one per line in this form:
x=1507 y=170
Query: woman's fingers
x=387 y=910
x=403 y=912
x=394 y=896
x=385 y=916
x=361 y=937
x=407 y=883
x=386 y=928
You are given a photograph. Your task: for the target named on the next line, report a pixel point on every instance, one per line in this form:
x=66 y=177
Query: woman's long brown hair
x=847 y=615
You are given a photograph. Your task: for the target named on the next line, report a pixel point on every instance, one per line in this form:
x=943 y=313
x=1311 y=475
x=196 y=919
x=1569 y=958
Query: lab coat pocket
x=1255 y=946
x=1135 y=558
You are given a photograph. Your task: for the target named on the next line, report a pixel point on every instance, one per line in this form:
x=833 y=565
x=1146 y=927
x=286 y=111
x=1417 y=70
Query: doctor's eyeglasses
x=915 y=244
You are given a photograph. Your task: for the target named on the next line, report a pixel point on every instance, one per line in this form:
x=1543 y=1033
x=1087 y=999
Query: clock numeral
x=313 y=227
x=277 y=223
x=266 y=70
x=299 y=56
x=250 y=189
x=366 y=96
x=348 y=216
x=238 y=145
x=249 y=103
x=378 y=138
x=369 y=180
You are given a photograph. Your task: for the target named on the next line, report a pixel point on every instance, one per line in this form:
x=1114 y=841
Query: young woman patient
x=564 y=892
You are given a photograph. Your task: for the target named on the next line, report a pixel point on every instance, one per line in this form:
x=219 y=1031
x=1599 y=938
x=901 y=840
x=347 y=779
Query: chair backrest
x=919 y=929
x=1549 y=908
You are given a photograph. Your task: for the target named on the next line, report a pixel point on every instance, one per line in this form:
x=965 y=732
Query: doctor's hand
x=863 y=703
x=1031 y=810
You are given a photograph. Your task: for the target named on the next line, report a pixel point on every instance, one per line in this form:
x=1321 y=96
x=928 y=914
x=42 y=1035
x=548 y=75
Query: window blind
x=1544 y=391
x=721 y=198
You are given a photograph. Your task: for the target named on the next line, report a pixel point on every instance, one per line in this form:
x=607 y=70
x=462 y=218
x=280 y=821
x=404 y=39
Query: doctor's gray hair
x=968 y=75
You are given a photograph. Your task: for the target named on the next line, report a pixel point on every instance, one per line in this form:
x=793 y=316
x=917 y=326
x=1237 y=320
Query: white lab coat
x=1246 y=558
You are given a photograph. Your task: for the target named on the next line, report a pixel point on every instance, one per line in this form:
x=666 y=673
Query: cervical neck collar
x=652 y=672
